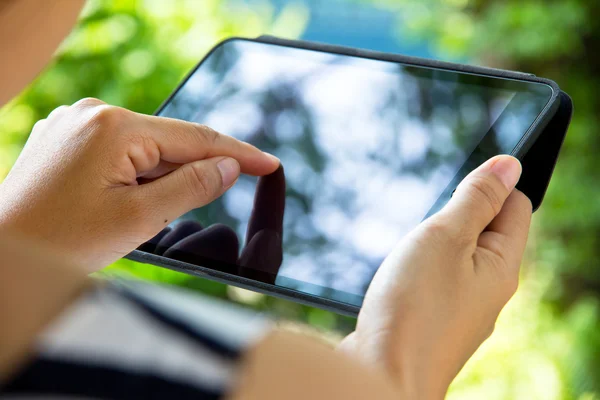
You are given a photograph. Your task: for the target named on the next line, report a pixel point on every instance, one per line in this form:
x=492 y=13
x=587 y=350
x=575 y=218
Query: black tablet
x=370 y=144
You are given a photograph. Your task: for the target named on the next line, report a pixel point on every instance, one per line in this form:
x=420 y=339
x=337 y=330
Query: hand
x=436 y=298
x=260 y=259
x=95 y=181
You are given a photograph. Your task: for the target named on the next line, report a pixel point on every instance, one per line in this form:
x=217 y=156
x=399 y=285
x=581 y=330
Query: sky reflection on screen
x=368 y=147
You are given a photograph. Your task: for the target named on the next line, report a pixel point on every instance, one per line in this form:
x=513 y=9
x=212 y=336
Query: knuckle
x=108 y=115
x=495 y=245
x=39 y=125
x=441 y=231
x=200 y=182
x=483 y=189
x=144 y=142
x=87 y=102
x=57 y=111
x=150 y=149
x=142 y=150
x=208 y=135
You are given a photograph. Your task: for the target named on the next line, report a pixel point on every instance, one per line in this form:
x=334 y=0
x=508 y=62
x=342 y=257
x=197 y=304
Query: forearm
x=417 y=379
x=30 y=31
x=290 y=366
x=35 y=287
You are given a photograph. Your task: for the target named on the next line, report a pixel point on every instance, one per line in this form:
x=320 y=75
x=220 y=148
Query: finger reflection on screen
x=262 y=255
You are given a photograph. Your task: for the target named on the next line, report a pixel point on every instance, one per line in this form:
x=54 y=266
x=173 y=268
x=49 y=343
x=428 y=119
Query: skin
x=437 y=296
x=95 y=181
x=30 y=31
x=99 y=155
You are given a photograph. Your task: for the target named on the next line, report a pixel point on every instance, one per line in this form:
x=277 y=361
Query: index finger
x=183 y=142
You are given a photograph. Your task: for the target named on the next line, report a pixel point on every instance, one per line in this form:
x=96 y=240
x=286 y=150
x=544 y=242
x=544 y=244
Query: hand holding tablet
x=437 y=296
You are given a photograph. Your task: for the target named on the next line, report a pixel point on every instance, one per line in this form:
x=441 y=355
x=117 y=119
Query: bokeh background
x=132 y=53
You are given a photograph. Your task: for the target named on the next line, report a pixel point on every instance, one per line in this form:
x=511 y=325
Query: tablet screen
x=369 y=148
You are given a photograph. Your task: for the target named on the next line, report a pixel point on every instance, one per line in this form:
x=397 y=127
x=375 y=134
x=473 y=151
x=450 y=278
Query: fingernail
x=508 y=170
x=272 y=157
x=230 y=171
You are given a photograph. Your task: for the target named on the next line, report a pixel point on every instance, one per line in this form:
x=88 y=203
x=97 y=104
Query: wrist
x=412 y=376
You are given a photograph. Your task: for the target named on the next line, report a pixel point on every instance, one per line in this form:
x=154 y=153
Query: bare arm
x=30 y=32
x=35 y=286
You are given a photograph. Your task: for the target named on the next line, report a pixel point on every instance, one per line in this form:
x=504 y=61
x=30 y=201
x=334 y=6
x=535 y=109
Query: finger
x=183 y=142
x=163 y=168
x=269 y=204
x=480 y=196
x=181 y=231
x=264 y=253
x=217 y=242
x=150 y=245
x=506 y=235
x=190 y=186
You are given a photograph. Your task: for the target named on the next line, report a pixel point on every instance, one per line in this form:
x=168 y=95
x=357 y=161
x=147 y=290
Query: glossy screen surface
x=369 y=149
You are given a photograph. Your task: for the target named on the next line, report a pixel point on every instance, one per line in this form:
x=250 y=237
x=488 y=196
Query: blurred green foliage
x=133 y=53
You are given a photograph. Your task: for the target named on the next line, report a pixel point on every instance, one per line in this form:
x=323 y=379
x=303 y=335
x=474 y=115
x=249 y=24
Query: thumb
x=191 y=186
x=481 y=195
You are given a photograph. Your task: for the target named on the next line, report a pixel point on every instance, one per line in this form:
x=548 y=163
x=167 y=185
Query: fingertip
x=274 y=163
x=506 y=168
x=500 y=157
x=264 y=165
x=275 y=160
x=482 y=194
x=229 y=168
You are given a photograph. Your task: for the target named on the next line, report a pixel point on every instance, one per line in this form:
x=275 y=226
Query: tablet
x=369 y=147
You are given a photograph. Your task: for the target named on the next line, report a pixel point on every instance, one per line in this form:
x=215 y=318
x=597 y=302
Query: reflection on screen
x=368 y=148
